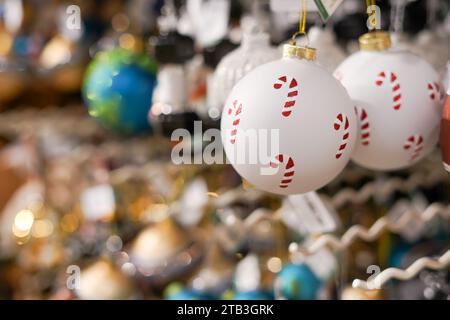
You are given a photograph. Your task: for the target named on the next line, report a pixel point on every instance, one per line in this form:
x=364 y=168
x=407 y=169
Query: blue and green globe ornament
x=118 y=88
x=297 y=282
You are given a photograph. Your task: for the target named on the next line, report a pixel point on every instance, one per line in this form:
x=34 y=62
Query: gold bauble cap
x=375 y=41
x=291 y=50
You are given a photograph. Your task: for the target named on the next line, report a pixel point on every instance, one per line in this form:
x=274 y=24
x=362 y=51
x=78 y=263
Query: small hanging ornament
x=306 y=113
x=248 y=280
x=159 y=251
x=254 y=51
x=118 y=88
x=297 y=282
x=398 y=101
x=105 y=281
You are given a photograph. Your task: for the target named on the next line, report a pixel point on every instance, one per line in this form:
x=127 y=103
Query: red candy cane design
x=237 y=111
x=288 y=169
x=395 y=87
x=415 y=141
x=293 y=92
x=434 y=90
x=364 y=125
x=342 y=121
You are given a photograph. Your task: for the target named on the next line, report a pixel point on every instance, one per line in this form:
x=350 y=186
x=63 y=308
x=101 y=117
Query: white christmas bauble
x=288 y=127
x=397 y=99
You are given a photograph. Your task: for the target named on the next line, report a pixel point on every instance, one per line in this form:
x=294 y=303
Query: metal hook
x=299 y=33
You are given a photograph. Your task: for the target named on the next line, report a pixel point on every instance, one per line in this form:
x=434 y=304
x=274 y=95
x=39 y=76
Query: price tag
x=98 y=202
x=309 y=214
x=327 y=7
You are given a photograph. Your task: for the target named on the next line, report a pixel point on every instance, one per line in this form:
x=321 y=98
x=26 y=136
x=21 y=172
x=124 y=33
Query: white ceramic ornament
x=398 y=101
x=288 y=127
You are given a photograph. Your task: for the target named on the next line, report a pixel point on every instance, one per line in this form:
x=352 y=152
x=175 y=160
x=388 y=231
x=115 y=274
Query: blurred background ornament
x=214 y=276
x=436 y=284
x=62 y=59
x=102 y=280
x=254 y=50
x=248 y=280
x=164 y=252
x=118 y=88
x=297 y=282
x=329 y=53
x=171 y=104
x=207 y=21
x=13 y=79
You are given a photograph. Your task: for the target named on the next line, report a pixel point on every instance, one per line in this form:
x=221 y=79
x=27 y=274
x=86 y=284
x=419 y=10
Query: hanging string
x=301 y=23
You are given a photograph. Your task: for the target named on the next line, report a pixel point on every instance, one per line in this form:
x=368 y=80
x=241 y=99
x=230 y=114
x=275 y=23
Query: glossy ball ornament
x=297 y=282
x=288 y=127
x=118 y=89
x=397 y=98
